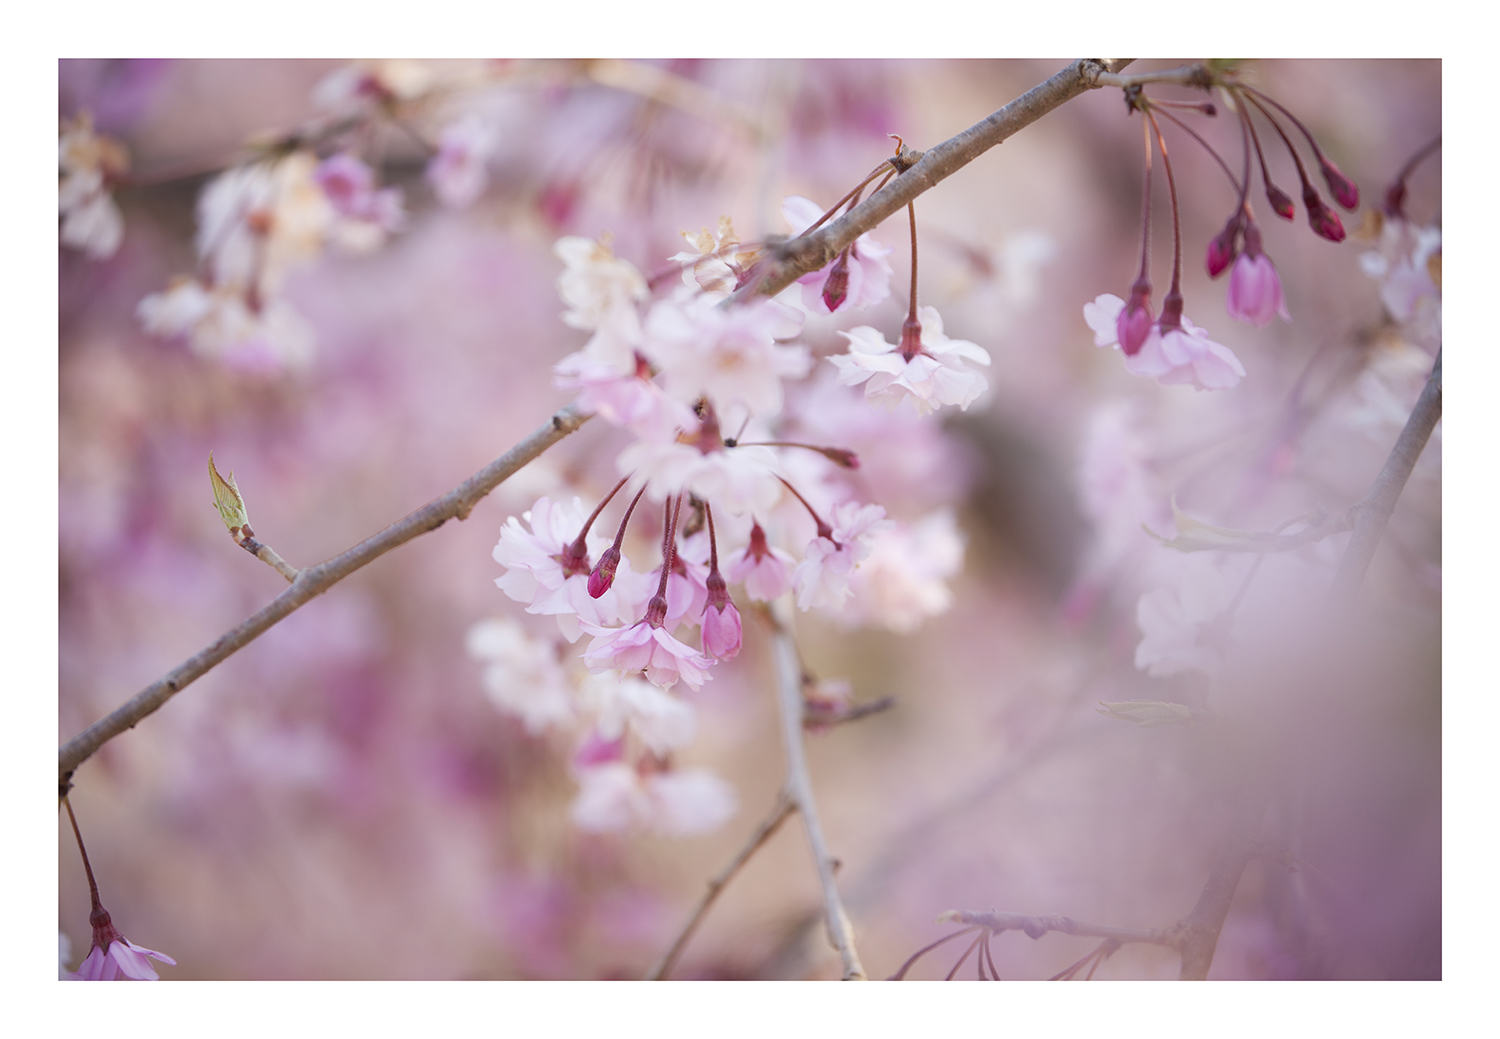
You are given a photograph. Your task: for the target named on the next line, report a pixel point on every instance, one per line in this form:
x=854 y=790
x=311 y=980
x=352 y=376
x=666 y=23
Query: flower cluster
x=88 y=164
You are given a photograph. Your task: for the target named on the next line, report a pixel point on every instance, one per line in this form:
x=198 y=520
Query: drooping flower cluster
x=89 y=164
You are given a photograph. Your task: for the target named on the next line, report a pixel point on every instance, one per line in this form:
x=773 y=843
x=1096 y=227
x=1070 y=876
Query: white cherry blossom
x=936 y=374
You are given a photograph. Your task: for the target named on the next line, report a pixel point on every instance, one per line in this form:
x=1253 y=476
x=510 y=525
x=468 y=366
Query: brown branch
x=1195 y=75
x=314 y=581
x=266 y=554
x=769 y=825
x=811 y=252
x=1376 y=507
x=799 y=789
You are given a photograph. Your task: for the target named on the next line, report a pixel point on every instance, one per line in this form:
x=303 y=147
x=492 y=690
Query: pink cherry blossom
x=867 y=270
x=1255 y=291
x=740 y=479
x=1183 y=356
x=936 y=374
x=731 y=355
x=766 y=572
x=458 y=173
x=616 y=797
x=123 y=960
x=349 y=186
x=535 y=567
x=523 y=675
x=643 y=647
x=822 y=578
x=905 y=578
x=1173 y=622
x=662 y=722
x=631 y=400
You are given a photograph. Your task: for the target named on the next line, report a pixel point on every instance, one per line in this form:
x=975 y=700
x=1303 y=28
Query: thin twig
x=812 y=252
x=784 y=807
x=799 y=789
x=1376 y=508
x=314 y=581
x=266 y=554
x=1185 y=75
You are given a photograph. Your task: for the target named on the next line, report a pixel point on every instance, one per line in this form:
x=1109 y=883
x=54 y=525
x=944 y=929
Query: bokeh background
x=341 y=800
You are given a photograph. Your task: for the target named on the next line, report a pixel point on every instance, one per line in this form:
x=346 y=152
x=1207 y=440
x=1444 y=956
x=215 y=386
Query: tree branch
x=1374 y=511
x=811 y=252
x=311 y=582
x=769 y=825
x=799 y=789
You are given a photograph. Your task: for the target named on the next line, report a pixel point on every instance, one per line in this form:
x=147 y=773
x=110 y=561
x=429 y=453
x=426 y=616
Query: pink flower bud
x=1342 y=188
x=1324 y=221
x=1224 y=247
x=1281 y=202
x=836 y=288
x=722 y=632
x=604 y=574
x=1255 y=293
x=1134 y=323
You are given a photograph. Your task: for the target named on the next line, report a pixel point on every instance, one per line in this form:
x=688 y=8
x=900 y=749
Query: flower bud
x=604 y=574
x=1281 y=202
x=836 y=288
x=722 y=631
x=1342 y=188
x=1224 y=247
x=1324 y=221
x=1134 y=323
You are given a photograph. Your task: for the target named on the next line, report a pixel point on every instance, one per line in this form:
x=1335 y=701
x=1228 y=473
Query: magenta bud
x=718 y=590
x=1223 y=248
x=604 y=574
x=1324 y=221
x=656 y=610
x=1342 y=188
x=1281 y=202
x=836 y=288
x=1134 y=323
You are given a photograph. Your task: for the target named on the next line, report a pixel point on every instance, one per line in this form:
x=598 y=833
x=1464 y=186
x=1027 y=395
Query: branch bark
x=768 y=826
x=1374 y=512
x=311 y=582
x=811 y=252
x=799 y=789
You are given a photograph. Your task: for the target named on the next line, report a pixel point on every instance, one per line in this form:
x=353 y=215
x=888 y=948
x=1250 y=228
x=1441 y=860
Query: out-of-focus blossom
x=935 y=374
x=867 y=272
x=522 y=674
x=616 y=797
x=822 y=578
x=220 y=324
x=731 y=355
x=541 y=573
x=64 y=954
x=644 y=647
x=87 y=163
x=738 y=480
x=1174 y=623
x=355 y=89
x=459 y=172
x=632 y=400
x=1408 y=265
x=904 y=580
x=597 y=287
x=1182 y=356
x=662 y=722
x=349 y=185
x=766 y=572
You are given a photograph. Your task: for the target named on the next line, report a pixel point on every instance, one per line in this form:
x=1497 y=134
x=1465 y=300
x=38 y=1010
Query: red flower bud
x=1281 y=202
x=1342 y=188
x=836 y=288
x=604 y=574
x=1223 y=248
x=1324 y=221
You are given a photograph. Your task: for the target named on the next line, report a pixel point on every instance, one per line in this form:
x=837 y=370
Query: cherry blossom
x=932 y=371
x=1183 y=356
x=87 y=163
x=122 y=960
x=1173 y=623
x=716 y=262
x=741 y=479
x=541 y=572
x=616 y=797
x=729 y=354
x=867 y=270
x=458 y=172
x=904 y=579
x=662 y=722
x=645 y=647
x=598 y=288
x=1254 y=286
x=765 y=571
x=822 y=578
x=349 y=185
x=523 y=675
